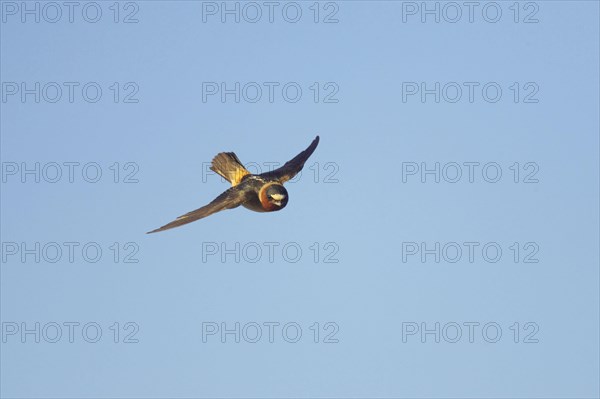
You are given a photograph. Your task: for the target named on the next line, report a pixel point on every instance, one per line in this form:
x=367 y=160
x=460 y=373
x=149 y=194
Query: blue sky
x=453 y=198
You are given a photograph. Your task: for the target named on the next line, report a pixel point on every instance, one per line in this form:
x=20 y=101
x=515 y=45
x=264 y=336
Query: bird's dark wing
x=293 y=167
x=231 y=198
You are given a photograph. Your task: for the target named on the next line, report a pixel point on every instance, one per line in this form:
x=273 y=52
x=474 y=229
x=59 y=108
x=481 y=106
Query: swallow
x=260 y=193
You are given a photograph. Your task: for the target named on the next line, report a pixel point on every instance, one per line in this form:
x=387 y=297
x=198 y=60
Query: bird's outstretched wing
x=229 y=199
x=292 y=167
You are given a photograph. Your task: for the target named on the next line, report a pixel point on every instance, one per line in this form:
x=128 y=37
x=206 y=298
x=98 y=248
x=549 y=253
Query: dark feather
x=231 y=198
x=292 y=167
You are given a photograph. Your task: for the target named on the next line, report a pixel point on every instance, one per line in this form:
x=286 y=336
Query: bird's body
x=254 y=183
x=259 y=193
x=258 y=186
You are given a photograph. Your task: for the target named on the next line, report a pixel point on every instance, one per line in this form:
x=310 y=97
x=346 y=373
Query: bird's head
x=275 y=197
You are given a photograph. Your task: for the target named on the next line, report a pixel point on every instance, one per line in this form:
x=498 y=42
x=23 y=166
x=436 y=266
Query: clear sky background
x=352 y=213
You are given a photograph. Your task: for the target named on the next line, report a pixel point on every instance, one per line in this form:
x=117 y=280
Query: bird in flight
x=259 y=193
